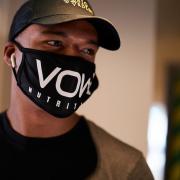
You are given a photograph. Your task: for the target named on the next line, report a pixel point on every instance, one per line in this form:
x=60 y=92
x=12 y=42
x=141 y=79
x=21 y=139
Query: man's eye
x=55 y=43
x=88 y=51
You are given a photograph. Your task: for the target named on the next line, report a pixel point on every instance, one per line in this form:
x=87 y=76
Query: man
x=51 y=50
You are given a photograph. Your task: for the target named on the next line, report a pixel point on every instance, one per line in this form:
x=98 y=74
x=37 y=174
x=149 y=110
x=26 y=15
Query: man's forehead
x=78 y=24
x=80 y=29
x=81 y=26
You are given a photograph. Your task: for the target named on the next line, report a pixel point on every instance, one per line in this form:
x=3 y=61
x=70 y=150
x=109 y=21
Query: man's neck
x=30 y=121
x=40 y=125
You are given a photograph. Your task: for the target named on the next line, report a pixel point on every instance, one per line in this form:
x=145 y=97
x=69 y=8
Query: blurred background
x=138 y=100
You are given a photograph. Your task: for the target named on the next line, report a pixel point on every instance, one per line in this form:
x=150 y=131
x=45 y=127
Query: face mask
x=58 y=84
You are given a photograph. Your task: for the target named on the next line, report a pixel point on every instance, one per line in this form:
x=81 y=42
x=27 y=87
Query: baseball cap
x=48 y=12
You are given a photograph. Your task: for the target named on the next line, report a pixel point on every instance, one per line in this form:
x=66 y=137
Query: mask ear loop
x=18 y=45
x=13 y=64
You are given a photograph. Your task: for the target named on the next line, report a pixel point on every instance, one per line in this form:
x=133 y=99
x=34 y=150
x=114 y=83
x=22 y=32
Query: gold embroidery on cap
x=80 y=3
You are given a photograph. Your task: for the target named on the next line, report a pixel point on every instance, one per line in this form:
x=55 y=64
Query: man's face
x=76 y=38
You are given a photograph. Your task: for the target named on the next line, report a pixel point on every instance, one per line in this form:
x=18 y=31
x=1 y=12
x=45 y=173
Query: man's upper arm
x=141 y=171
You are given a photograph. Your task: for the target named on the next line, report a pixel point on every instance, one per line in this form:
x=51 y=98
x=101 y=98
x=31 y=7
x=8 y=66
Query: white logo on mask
x=80 y=87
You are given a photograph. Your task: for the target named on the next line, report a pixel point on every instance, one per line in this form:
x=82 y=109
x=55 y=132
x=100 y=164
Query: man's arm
x=141 y=171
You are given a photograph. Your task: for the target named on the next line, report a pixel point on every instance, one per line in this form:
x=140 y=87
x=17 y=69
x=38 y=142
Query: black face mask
x=58 y=84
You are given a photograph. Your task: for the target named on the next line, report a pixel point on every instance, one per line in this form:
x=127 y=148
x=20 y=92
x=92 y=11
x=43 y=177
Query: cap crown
x=48 y=12
x=36 y=9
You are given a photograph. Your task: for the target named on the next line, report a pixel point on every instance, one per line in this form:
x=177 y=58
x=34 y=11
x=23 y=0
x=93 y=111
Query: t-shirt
x=71 y=156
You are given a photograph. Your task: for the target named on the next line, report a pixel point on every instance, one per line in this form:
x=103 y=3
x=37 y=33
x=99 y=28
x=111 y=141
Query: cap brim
x=107 y=33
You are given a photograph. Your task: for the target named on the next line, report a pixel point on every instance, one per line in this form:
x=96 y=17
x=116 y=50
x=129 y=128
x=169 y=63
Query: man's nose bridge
x=71 y=50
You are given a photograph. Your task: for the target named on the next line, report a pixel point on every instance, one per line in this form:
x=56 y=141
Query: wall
x=122 y=102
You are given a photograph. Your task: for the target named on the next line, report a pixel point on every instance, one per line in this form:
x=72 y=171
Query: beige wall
x=122 y=101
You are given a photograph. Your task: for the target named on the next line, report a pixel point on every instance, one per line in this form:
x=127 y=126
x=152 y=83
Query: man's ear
x=9 y=54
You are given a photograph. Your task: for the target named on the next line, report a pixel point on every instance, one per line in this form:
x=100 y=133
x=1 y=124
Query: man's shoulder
x=105 y=140
x=118 y=157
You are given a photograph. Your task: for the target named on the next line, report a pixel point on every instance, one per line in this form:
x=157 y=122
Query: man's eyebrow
x=55 y=33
